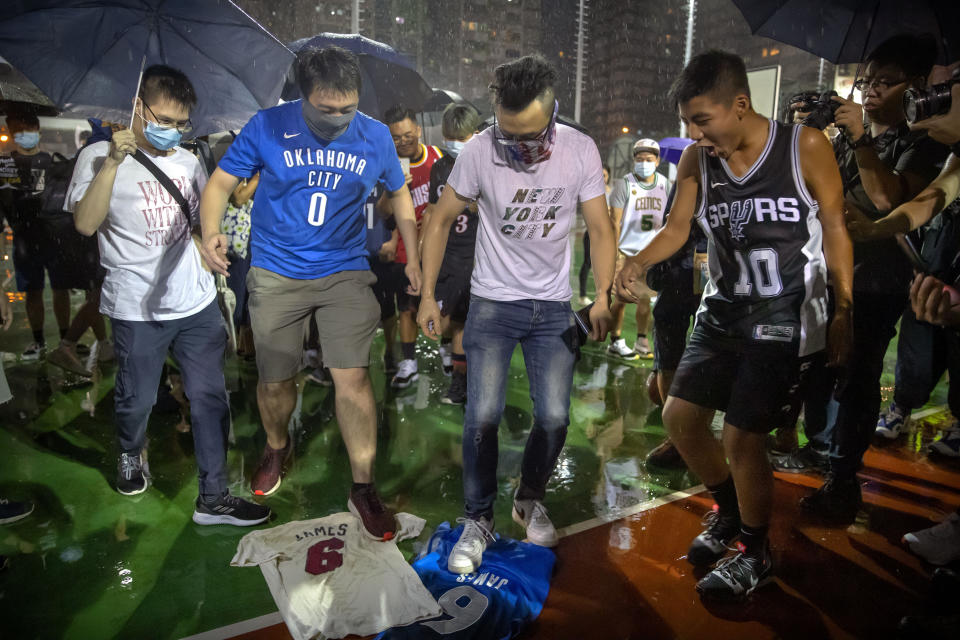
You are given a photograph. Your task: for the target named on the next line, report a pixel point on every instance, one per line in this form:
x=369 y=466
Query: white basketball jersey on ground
x=328 y=578
x=643 y=214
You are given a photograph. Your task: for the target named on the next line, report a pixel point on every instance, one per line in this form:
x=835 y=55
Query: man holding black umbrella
x=318 y=160
x=156 y=292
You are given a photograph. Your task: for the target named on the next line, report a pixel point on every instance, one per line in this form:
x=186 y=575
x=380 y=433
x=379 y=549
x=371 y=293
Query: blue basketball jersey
x=496 y=603
x=308 y=217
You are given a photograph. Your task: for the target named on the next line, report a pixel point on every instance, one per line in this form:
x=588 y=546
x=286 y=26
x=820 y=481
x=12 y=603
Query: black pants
x=924 y=352
x=875 y=318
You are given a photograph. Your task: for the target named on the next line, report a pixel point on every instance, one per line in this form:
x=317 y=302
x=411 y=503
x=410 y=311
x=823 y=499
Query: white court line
x=255 y=624
x=235 y=629
x=920 y=415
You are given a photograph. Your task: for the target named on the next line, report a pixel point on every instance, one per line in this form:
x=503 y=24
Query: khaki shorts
x=343 y=304
x=647 y=291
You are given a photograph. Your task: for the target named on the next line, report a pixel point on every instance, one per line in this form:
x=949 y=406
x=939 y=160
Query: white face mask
x=455 y=146
x=644 y=169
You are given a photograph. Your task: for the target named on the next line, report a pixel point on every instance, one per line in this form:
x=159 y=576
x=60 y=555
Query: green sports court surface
x=90 y=563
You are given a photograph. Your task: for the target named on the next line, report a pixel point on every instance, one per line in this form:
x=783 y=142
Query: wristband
x=863 y=141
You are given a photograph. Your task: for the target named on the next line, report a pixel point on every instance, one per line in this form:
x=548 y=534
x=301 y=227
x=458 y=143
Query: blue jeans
x=546 y=332
x=197 y=343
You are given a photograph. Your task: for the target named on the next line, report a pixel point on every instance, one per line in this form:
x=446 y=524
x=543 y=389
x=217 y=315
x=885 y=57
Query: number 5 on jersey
x=318 y=209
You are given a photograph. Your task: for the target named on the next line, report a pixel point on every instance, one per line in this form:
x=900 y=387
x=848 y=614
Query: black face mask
x=324 y=125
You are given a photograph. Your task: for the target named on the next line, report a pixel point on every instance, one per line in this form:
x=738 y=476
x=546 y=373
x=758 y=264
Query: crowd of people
x=328 y=224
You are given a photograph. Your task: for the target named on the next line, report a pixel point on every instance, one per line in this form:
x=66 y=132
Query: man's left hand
x=840 y=337
x=934 y=302
x=849 y=116
x=413 y=274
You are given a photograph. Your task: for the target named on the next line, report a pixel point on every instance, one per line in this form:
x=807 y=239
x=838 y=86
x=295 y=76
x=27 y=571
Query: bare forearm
x=884 y=187
x=665 y=243
x=212 y=206
x=838 y=251
x=93 y=207
x=435 y=236
x=603 y=251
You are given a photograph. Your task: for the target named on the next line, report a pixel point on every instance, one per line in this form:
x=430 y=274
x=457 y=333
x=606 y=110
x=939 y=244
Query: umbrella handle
x=133 y=112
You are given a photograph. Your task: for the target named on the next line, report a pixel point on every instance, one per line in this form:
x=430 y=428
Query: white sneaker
x=584 y=301
x=446 y=361
x=939 y=544
x=467 y=555
x=949 y=442
x=33 y=352
x=892 y=422
x=620 y=349
x=406 y=374
x=532 y=515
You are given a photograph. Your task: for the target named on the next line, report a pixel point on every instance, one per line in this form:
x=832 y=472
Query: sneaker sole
x=406 y=384
x=888 y=434
x=739 y=597
x=134 y=492
x=209 y=518
x=16 y=518
x=452 y=402
x=271 y=491
x=548 y=542
x=363 y=528
x=80 y=372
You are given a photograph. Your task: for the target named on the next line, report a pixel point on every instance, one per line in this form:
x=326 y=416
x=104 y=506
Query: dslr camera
x=920 y=104
x=821 y=109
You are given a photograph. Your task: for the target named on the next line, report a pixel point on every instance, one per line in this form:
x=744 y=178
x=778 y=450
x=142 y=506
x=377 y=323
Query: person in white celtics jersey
x=637 y=206
x=769 y=198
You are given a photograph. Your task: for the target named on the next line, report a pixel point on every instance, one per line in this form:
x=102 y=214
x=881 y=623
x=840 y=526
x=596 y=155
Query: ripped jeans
x=547 y=334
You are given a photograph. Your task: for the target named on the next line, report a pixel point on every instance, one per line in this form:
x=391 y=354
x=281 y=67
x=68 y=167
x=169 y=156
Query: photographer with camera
x=882 y=164
x=925 y=350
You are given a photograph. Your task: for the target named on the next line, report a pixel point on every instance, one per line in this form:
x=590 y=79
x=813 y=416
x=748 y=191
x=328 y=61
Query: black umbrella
x=388 y=77
x=86 y=55
x=845 y=31
x=19 y=95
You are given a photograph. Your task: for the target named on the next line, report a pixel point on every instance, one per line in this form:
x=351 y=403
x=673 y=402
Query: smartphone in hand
x=906 y=245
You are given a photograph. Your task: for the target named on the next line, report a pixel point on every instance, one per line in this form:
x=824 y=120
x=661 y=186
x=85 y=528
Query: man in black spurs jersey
x=771 y=206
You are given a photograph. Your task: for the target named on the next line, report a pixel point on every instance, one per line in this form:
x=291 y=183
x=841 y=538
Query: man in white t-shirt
x=528 y=173
x=156 y=293
x=637 y=205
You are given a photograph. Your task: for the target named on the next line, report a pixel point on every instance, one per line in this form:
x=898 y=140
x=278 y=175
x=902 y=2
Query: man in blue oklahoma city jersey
x=318 y=160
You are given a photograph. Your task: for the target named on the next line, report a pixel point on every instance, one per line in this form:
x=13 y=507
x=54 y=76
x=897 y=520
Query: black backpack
x=56 y=183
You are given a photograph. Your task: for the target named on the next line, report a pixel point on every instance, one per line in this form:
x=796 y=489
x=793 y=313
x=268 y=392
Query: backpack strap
x=164 y=180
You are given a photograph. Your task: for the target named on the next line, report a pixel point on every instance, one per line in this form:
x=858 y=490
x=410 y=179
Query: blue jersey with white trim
x=495 y=604
x=308 y=217
x=767 y=270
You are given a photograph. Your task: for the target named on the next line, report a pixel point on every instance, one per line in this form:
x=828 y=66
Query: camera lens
x=910 y=105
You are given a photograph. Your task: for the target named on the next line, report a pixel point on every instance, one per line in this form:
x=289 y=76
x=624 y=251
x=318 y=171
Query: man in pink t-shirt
x=528 y=174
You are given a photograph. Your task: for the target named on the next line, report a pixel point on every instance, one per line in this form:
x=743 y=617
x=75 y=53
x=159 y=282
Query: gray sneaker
x=66 y=358
x=467 y=554
x=532 y=515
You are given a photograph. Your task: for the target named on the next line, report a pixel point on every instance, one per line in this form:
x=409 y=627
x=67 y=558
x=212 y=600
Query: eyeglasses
x=864 y=84
x=183 y=126
x=407 y=138
x=508 y=139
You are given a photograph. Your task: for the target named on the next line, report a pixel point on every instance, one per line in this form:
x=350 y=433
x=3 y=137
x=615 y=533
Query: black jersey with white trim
x=768 y=274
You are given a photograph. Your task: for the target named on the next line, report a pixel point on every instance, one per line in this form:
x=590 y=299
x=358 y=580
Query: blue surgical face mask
x=27 y=139
x=455 y=146
x=644 y=169
x=161 y=138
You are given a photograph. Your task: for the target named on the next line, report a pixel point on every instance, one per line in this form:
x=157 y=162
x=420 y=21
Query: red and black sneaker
x=269 y=473
x=378 y=521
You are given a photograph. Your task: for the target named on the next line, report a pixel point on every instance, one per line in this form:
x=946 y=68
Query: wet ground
x=138 y=567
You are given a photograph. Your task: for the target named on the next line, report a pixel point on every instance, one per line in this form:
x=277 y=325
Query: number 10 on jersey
x=318 y=209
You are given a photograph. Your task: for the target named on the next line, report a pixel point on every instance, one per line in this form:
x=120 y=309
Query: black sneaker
x=13 y=511
x=666 y=456
x=715 y=541
x=457 y=393
x=131 y=479
x=229 y=509
x=838 y=499
x=804 y=459
x=737 y=577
